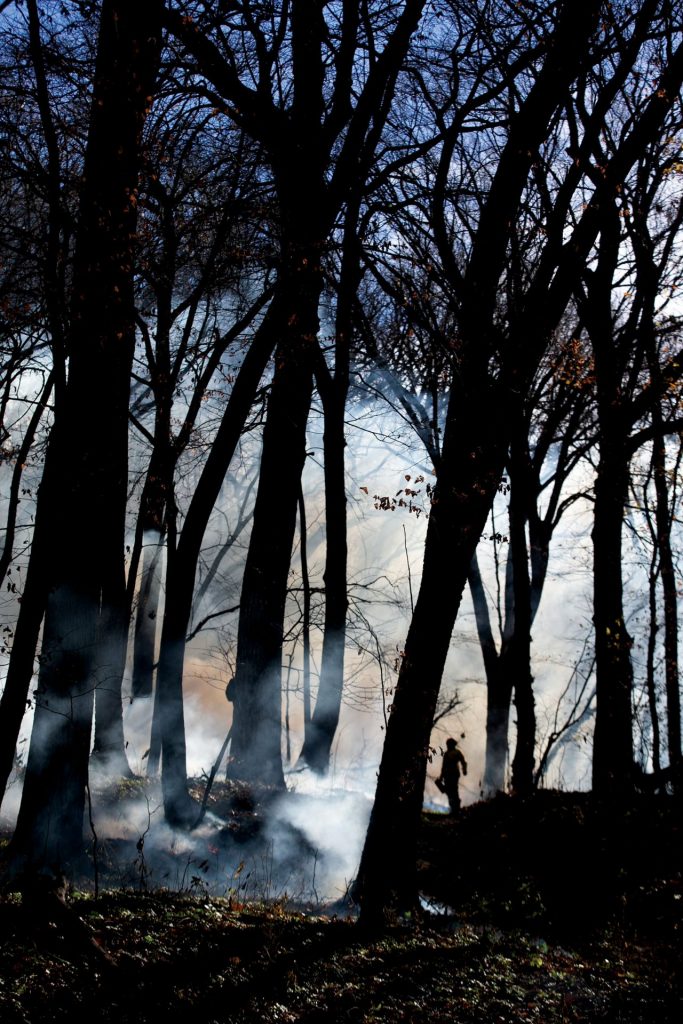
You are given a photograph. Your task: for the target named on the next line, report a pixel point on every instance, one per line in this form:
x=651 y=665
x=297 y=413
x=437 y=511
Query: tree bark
x=612 y=740
x=146 y=616
x=651 y=679
x=85 y=477
x=325 y=719
x=321 y=145
x=473 y=460
x=499 y=679
x=520 y=642
x=305 y=623
x=612 y=737
x=475 y=444
x=663 y=519
x=168 y=730
x=334 y=391
x=15 y=695
x=256 y=689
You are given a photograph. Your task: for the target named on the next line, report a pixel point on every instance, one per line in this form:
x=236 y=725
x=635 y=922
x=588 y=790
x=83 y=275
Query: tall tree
x=433 y=212
x=553 y=439
x=319 y=126
x=476 y=433
x=632 y=377
x=85 y=476
x=29 y=271
x=333 y=387
x=203 y=283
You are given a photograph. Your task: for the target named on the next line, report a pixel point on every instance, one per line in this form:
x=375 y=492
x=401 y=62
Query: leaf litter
x=513 y=954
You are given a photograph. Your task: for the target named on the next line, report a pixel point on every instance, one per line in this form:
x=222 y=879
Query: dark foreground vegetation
x=262 y=264
x=553 y=909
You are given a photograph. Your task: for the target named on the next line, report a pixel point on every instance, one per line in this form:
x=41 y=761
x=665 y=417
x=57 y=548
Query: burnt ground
x=553 y=910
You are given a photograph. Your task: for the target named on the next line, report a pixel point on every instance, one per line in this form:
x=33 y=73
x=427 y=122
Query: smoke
x=12 y=797
x=301 y=847
x=333 y=823
x=309 y=843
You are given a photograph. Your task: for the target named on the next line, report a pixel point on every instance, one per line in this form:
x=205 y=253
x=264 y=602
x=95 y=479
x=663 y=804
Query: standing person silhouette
x=453 y=761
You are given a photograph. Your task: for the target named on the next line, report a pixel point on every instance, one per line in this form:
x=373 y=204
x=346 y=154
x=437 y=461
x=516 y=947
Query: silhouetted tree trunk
x=325 y=719
x=109 y=744
x=17 y=473
x=168 y=728
x=651 y=674
x=16 y=689
x=334 y=390
x=15 y=697
x=651 y=678
x=499 y=679
x=624 y=347
x=319 y=148
x=663 y=522
x=474 y=450
x=257 y=686
x=298 y=162
x=612 y=740
x=153 y=520
x=670 y=594
x=146 y=615
x=520 y=644
x=152 y=525
x=305 y=622
x=85 y=476
x=159 y=512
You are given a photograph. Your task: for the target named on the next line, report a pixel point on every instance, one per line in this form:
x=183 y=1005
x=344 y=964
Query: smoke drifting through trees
x=473 y=214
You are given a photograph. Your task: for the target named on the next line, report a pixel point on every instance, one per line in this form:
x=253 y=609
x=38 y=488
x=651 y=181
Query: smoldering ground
x=300 y=847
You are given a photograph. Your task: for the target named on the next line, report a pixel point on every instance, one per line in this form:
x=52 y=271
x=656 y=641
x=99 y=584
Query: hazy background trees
x=455 y=222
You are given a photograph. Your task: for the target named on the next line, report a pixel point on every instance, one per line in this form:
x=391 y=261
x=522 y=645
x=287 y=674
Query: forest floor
x=556 y=909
